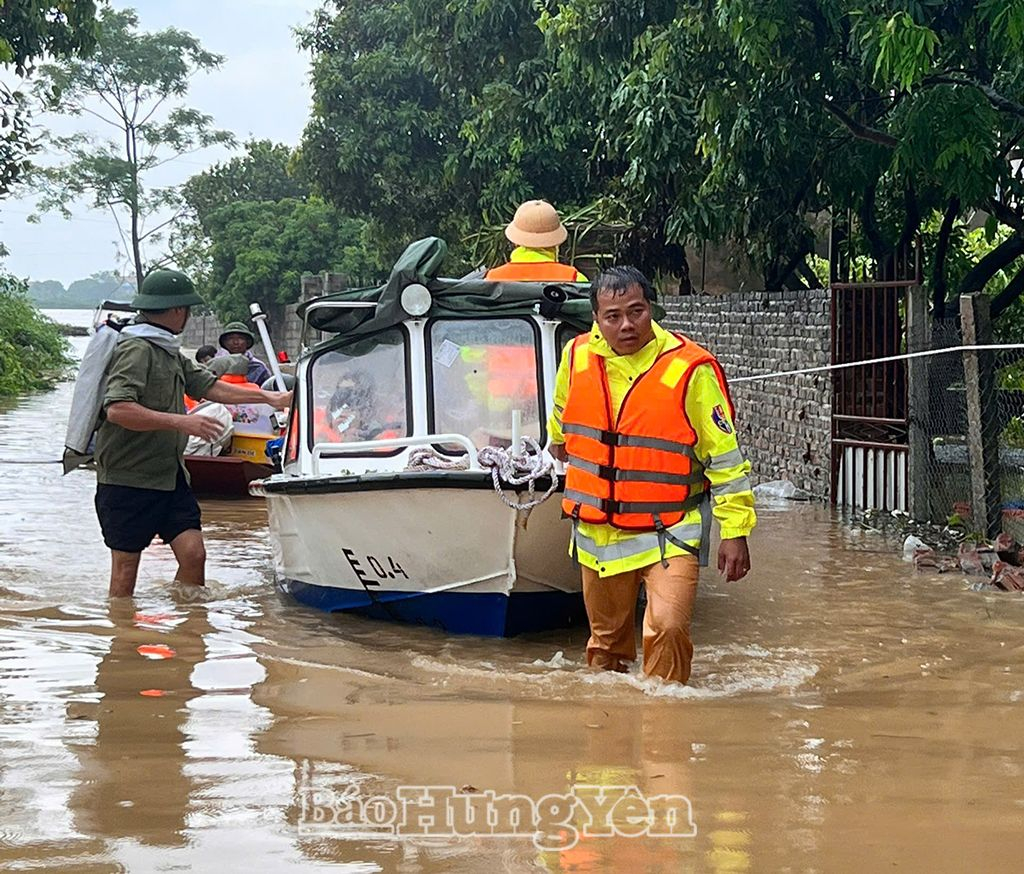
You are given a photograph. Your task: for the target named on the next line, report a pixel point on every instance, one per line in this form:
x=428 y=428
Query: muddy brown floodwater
x=844 y=713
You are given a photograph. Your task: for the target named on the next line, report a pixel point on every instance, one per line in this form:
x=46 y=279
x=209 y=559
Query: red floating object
x=156 y=651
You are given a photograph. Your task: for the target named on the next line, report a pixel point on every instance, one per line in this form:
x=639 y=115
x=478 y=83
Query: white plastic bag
x=198 y=446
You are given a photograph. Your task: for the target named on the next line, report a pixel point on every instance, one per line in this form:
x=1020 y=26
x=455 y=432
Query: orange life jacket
x=239 y=379
x=236 y=379
x=638 y=472
x=512 y=371
x=533 y=271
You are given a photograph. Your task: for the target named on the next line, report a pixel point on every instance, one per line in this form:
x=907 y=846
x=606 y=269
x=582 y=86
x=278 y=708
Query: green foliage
x=33 y=354
x=132 y=82
x=734 y=121
x=888 y=110
x=260 y=250
x=30 y=29
x=252 y=230
x=81 y=294
x=263 y=172
x=432 y=117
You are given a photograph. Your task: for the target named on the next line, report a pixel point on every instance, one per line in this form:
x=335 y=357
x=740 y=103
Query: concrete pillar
x=982 y=416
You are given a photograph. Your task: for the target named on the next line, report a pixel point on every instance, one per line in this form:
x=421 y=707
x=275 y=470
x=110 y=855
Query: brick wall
x=784 y=423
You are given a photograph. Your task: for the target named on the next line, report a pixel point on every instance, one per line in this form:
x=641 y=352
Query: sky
x=262 y=90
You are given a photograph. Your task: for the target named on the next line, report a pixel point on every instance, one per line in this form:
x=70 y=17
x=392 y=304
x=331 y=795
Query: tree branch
x=1002 y=301
x=912 y=219
x=1001 y=256
x=999 y=101
x=156 y=106
x=1006 y=215
x=861 y=131
x=939 y=281
x=102 y=118
x=164 y=224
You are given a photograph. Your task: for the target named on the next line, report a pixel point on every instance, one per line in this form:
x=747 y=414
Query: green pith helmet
x=237 y=328
x=233 y=365
x=166 y=289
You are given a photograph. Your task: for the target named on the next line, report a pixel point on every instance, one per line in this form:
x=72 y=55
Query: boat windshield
x=359 y=391
x=482 y=370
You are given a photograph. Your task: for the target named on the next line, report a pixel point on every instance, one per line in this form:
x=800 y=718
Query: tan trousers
x=611 y=608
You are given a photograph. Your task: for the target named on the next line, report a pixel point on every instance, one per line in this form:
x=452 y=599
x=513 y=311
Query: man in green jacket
x=142 y=486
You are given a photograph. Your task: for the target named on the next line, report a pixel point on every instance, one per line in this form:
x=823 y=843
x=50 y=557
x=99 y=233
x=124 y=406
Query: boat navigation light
x=416 y=299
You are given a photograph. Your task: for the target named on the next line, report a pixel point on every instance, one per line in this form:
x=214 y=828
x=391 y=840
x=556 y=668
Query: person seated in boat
x=353 y=413
x=500 y=379
x=228 y=368
x=205 y=354
x=237 y=339
x=537 y=232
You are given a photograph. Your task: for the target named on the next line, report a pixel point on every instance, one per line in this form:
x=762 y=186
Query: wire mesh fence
x=945 y=428
x=974 y=431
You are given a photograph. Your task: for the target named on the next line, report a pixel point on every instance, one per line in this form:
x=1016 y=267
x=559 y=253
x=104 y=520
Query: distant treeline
x=82 y=293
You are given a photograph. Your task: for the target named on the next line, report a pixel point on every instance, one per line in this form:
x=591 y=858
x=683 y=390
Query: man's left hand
x=734 y=558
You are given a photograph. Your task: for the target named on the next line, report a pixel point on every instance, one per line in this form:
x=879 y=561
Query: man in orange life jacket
x=644 y=420
x=537 y=232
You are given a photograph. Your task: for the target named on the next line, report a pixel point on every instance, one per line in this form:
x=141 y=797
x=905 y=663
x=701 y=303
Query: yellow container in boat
x=251 y=448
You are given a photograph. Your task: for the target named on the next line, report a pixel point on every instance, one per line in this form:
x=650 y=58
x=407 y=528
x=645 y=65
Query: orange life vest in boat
x=233 y=378
x=239 y=379
x=638 y=472
x=533 y=271
x=512 y=371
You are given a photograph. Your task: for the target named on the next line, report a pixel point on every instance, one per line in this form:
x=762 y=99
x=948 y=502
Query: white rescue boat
x=385 y=505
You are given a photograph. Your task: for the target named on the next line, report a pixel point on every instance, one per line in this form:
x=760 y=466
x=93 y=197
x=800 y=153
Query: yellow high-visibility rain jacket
x=612 y=551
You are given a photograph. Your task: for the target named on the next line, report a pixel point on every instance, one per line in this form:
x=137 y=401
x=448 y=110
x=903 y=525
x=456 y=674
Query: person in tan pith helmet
x=537 y=232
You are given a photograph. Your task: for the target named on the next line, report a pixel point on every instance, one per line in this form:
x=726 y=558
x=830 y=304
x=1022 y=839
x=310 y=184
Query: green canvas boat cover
x=450 y=298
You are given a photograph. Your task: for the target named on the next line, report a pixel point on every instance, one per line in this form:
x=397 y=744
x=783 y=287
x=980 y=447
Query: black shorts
x=130 y=518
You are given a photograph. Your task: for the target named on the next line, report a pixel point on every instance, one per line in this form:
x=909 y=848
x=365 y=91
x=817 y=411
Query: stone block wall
x=784 y=423
x=284 y=332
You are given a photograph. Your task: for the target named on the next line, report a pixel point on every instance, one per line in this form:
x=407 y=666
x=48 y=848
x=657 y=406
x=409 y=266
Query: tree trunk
x=870 y=225
x=939 y=284
x=131 y=147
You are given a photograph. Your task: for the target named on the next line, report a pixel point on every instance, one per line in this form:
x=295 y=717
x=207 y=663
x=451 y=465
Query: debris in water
x=1007 y=577
x=156 y=651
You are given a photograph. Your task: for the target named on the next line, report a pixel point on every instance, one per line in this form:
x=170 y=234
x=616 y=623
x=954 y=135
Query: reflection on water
x=842 y=712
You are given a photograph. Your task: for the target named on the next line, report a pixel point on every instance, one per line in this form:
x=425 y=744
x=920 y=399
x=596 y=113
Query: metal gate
x=870 y=426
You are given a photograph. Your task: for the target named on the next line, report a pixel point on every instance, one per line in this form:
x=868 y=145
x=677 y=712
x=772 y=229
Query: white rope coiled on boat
x=513 y=469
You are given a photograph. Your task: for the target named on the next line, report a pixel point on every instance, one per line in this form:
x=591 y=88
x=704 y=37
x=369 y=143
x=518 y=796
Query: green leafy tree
x=433 y=117
x=252 y=230
x=261 y=173
x=259 y=251
x=134 y=82
x=47 y=293
x=892 y=111
x=33 y=354
x=29 y=30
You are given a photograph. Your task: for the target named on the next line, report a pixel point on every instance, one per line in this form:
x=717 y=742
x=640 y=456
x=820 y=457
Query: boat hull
x=435 y=550
x=223 y=476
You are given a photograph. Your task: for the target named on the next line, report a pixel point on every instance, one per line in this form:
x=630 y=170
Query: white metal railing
x=331 y=305
x=340 y=450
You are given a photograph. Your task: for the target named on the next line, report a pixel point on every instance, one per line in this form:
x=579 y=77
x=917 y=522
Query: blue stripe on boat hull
x=491 y=614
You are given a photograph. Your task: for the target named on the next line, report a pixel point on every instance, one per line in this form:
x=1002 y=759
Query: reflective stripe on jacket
x=636 y=470
x=610 y=550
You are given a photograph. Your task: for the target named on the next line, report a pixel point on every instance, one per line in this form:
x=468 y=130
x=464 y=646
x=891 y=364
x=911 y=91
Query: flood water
x=844 y=713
